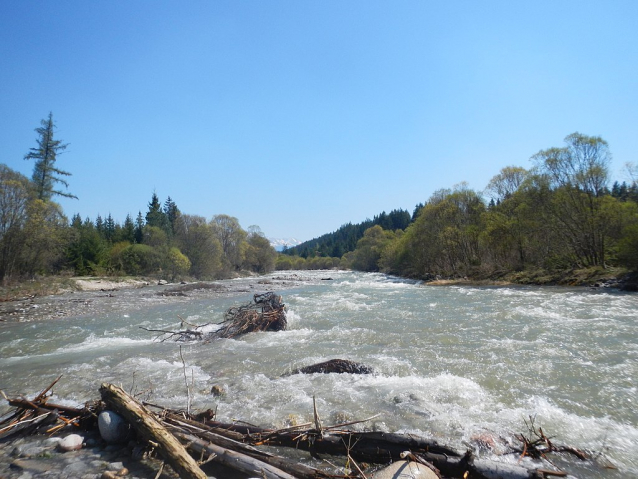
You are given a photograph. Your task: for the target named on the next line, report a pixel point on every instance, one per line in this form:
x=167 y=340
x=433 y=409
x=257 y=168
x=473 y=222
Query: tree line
x=344 y=240
x=37 y=238
x=558 y=215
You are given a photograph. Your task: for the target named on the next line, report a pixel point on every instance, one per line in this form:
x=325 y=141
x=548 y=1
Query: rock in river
x=113 y=428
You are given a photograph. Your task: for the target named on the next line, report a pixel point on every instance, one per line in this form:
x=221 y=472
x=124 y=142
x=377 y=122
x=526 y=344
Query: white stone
x=72 y=442
x=405 y=470
x=113 y=428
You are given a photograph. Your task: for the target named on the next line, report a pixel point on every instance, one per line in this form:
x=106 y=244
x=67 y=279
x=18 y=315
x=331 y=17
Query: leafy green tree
x=232 y=239
x=198 y=241
x=444 y=239
x=45 y=174
x=259 y=255
x=179 y=264
x=140 y=259
x=45 y=238
x=578 y=175
x=14 y=199
x=370 y=248
x=506 y=183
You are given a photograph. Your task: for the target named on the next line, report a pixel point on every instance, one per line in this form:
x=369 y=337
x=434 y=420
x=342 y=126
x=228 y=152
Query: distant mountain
x=280 y=243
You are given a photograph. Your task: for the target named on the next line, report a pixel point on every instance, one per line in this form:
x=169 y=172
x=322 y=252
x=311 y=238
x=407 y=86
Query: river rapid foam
x=451 y=362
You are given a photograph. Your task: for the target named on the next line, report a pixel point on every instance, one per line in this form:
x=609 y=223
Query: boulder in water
x=335 y=366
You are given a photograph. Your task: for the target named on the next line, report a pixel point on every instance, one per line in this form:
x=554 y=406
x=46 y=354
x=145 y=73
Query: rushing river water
x=451 y=362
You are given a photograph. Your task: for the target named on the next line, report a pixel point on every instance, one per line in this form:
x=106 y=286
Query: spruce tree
x=155 y=216
x=45 y=173
x=139 y=228
x=172 y=213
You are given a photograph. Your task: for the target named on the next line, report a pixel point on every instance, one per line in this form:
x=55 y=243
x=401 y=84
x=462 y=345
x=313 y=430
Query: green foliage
x=259 y=255
x=370 y=248
x=199 y=243
x=345 y=239
x=155 y=216
x=14 y=199
x=232 y=238
x=628 y=248
x=178 y=263
x=141 y=259
x=87 y=252
x=46 y=236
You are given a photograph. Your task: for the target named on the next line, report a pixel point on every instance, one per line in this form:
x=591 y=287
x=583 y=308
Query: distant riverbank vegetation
x=36 y=238
x=556 y=217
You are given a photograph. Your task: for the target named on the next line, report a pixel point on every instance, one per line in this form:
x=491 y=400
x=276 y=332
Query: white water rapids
x=451 y=362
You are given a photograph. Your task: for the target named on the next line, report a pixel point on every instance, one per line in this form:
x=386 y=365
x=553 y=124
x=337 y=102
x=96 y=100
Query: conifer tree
x=45 y=174
x=139 y=228
x=128 y=230
x=155 y=216
x=172 y=213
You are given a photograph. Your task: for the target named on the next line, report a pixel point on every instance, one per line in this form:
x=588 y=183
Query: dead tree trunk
x=151 y=429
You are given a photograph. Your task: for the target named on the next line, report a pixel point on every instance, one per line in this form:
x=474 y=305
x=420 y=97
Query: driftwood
x=267 y=312
x=150 y=428
x=237 y=446
x=40 y=416
x=334 y=366
x=233 y=459
x=207 y=433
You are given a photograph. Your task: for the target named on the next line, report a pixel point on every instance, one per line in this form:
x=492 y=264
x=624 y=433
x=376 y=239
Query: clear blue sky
x=300 y=116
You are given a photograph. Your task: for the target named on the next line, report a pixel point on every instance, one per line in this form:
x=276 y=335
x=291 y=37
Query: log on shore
x=151 y=429
x=380 y=448
x=235 y=460
x=298 y=470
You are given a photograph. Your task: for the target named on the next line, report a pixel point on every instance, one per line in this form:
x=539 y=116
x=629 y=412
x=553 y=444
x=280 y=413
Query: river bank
x=587 y=277
x=60 y=297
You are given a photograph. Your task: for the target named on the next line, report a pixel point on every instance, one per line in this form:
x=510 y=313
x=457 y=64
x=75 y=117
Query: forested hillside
x=345 y=239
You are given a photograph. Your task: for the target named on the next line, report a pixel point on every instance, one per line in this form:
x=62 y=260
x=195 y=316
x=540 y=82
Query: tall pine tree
x=45 y=174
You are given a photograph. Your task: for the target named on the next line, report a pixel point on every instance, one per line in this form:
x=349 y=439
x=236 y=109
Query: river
x=451 y=362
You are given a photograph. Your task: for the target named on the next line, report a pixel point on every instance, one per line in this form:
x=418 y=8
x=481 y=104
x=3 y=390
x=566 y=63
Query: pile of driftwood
x=188 y=442
x=266 y=312
x=40 y=416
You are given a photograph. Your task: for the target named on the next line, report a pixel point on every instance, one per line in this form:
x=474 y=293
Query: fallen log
x=151 y=429
x=235 y=460
x=203 y=431
x=380 y=448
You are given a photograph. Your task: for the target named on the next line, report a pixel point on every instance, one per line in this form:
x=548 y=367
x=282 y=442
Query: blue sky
x=302 y=116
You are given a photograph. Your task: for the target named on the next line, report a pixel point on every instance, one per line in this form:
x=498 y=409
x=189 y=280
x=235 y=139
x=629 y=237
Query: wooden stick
x=151 y=429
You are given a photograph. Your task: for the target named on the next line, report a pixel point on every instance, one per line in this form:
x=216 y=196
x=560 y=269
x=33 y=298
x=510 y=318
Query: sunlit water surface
x=450 y=362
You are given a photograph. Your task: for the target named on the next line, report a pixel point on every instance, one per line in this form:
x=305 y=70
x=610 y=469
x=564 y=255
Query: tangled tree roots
x=266 y=313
